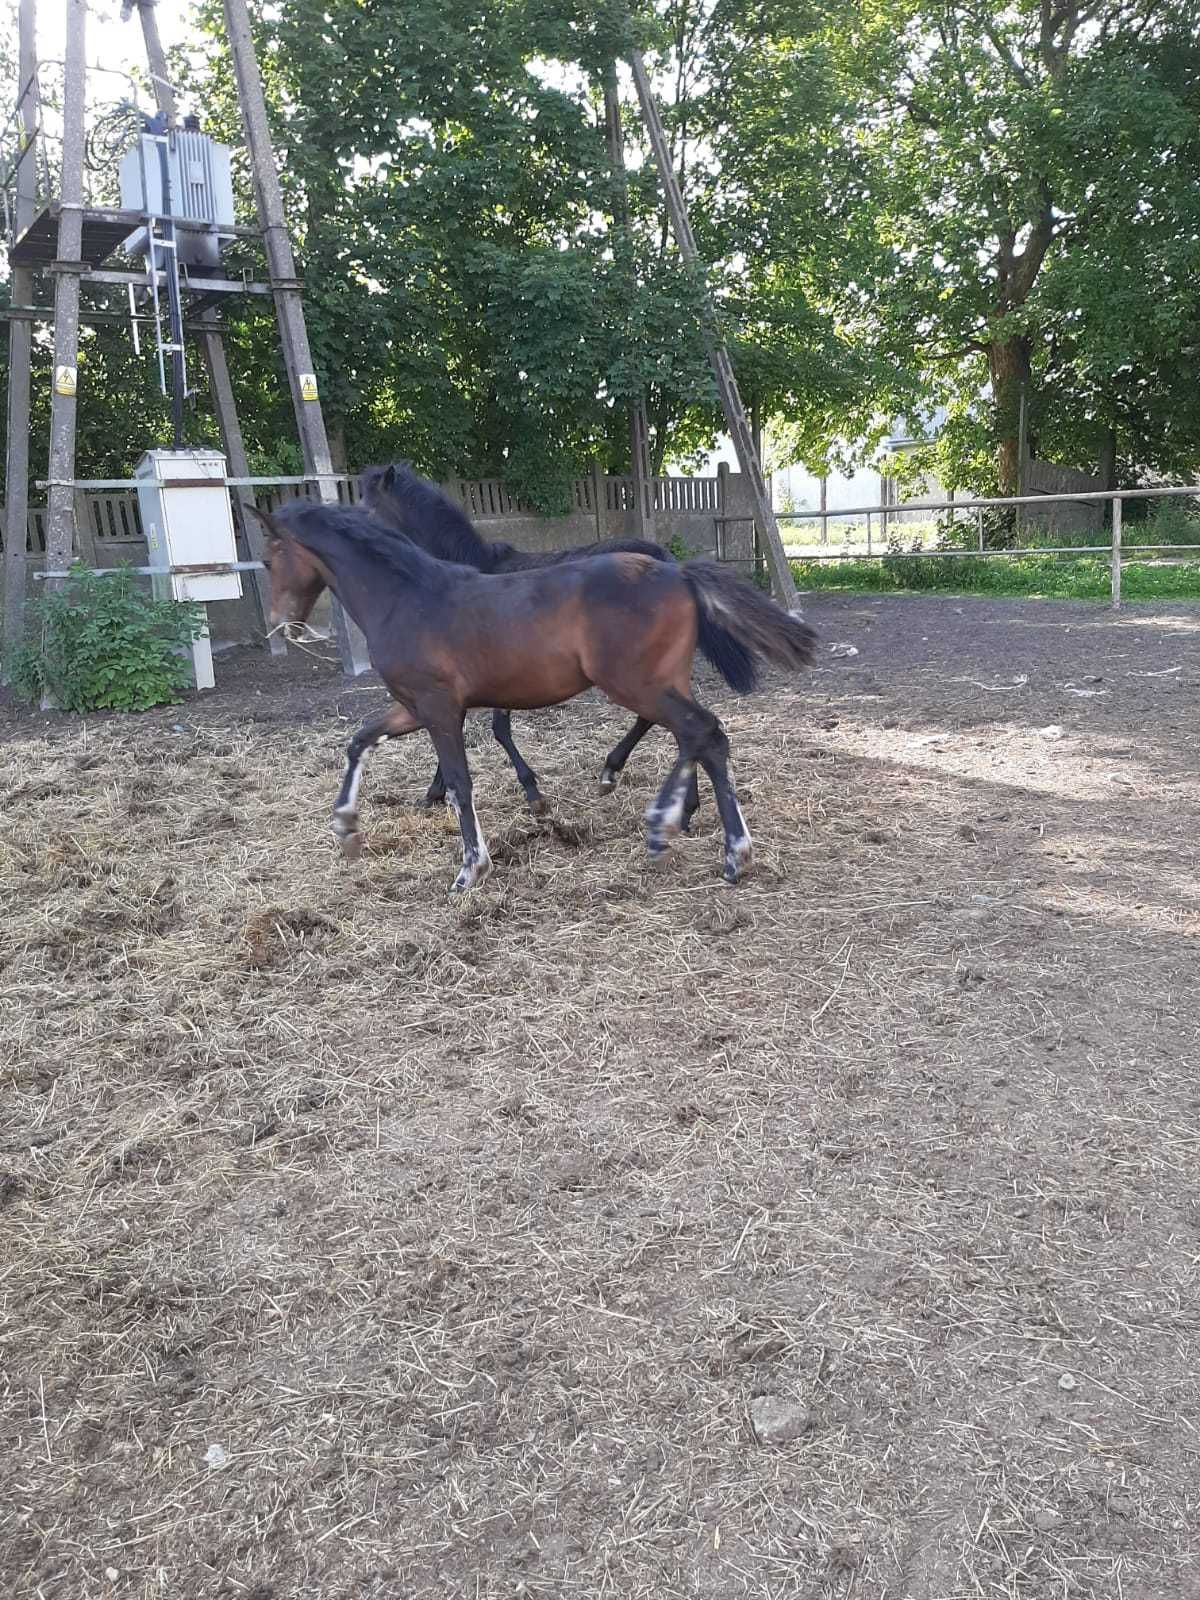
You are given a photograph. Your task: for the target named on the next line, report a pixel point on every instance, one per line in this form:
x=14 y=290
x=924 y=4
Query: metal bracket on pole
x=727 y=389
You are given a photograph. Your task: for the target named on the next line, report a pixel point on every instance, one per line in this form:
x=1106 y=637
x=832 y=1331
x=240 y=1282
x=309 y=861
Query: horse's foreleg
x=436 y=792
x=526 y=776
x=393 y=724
x=447 y=737
x=614 y=764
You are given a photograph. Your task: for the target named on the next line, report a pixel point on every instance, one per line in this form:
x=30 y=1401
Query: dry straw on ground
x=361 y=1242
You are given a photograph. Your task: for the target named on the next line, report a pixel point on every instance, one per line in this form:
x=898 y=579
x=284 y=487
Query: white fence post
x=1116 y=553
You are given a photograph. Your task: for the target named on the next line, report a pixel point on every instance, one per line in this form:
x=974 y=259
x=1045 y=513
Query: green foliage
x=678 y=546
x=101 y=644
x=983 y=199
x=924 y=201
x=1033 y=577
x=1173 y=521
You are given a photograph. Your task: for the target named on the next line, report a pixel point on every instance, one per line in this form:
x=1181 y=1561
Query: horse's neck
x=367 y=594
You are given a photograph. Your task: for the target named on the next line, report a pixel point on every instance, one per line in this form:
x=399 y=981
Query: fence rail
x=108 y=511
x=1115 y=549
x=107 y=508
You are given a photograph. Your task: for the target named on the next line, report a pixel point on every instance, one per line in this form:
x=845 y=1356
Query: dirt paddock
x=610 y=1232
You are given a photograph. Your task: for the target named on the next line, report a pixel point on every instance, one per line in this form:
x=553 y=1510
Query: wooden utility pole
x=68 y=270
x=718 y=355
x=20 y=337
x=639 y=429
x=213 y=347
x=289 y=310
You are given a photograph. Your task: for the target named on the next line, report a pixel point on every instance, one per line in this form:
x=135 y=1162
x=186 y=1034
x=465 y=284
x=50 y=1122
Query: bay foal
x=402 y=499
x=446 y=638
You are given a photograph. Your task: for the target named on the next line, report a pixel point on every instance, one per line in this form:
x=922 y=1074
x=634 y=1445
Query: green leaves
x=102 y=644
x=950 y=181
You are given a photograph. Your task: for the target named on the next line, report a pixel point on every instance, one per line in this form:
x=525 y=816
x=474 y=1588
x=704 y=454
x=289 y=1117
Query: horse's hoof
x=738 y=861
x=432 y=800
x=538 y=806
x=471 y=876
x=351 y=845
x=608 y=780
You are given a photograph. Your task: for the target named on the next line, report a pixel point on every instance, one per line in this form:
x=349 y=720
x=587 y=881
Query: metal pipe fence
x=1115 y=548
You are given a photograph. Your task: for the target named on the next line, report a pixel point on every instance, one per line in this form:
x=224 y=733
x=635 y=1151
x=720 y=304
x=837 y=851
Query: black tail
x=740 y=630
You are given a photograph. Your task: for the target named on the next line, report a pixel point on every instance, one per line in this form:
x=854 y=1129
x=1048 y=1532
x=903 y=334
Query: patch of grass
x=1031 y=577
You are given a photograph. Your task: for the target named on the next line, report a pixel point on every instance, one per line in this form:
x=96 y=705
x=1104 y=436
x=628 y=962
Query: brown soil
x=610 y=1232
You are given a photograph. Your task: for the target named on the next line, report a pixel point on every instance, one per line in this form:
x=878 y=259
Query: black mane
x=425 y=514
x=314 y=525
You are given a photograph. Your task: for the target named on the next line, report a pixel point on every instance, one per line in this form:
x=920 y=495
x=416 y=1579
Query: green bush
x=102 y=644
x=1172 y=521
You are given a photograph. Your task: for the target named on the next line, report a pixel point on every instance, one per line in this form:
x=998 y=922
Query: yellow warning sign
x=65 y=380
x=308 y=386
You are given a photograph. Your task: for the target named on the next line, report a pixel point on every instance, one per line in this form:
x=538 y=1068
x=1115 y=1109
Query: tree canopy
x=925 y=203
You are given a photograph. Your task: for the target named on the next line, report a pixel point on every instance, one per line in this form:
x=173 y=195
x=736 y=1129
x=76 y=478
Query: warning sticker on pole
x=308 y=386
x=65 y=380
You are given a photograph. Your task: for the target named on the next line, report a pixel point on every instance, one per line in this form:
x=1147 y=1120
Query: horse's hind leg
x=665 y=814
x=393 y=724
x=526 y=776
x=714 y=758
x=620 y=754
x=447 y=737
x=701 y=739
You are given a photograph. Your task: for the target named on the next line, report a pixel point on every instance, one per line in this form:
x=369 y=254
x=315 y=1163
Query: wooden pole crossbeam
x=727 y=389
x=213 y=346
x=20 y=341
x=289 y=309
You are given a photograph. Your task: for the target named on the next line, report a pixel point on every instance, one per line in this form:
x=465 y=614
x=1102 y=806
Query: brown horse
x=446 y=638
x=414 y=506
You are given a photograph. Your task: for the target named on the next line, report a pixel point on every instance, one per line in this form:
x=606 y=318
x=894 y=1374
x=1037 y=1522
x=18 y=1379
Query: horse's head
x=297 y=576
x=375 y=485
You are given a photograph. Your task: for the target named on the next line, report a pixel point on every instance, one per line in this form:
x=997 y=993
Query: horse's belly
x=533 y=684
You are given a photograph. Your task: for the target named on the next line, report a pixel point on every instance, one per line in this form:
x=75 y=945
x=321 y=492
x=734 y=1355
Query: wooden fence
x=110 y=518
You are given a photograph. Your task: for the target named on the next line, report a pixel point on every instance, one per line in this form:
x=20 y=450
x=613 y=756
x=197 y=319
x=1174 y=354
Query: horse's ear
x=274 y=529
x=389 y=476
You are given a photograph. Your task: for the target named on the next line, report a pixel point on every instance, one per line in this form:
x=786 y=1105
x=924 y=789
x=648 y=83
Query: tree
x=975 y=194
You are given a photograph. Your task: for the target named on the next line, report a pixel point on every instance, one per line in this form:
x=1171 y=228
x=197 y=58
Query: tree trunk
x=1008 y=363
x=1108 y=459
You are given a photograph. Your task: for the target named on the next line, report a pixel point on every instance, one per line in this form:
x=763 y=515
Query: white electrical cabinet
x=187 y=519
x=190 y=525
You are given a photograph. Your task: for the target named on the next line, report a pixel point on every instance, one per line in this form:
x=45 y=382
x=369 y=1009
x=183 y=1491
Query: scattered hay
x=363 y=1241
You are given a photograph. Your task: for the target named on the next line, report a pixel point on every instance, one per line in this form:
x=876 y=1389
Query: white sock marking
x=350 y=803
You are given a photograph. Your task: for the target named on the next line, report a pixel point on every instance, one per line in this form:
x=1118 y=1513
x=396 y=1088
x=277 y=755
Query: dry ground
x=357 y=1242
